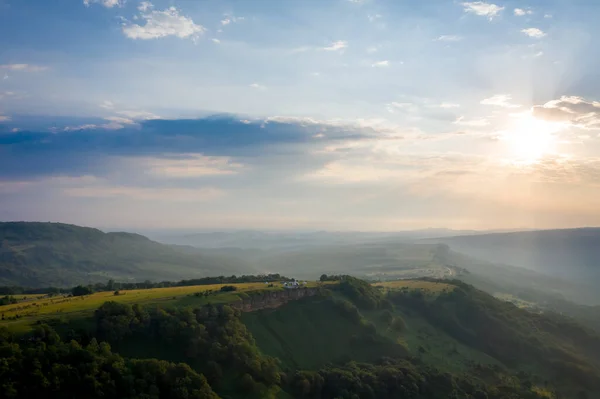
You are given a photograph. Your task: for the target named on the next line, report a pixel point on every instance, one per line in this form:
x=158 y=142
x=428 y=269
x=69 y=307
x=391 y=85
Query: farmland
x=21 y=316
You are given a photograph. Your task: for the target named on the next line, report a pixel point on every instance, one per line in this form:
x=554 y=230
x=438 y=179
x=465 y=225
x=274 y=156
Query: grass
x=30 y=312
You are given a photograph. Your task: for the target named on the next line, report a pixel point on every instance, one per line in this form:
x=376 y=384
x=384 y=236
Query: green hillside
x=55 y=254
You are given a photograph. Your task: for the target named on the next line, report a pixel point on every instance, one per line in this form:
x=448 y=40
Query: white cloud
x=500 y=100
x=120 y=120
x=548 y=16
x=534 y=32
x=258 y=86
x=574 y=110
x=384 y=63
x=143 y=115
x=231 y=19
x=23 y=67
x=4 y=118
x=483 y=9
x=107 y=104
x=374 y=17
x=372 y=49
x=449 y=38
x=145 y=6
x=519 y=12
x=105 y=3
x=159 y=24
x=216 y=40
x=6 y=94
x=480 y=122
x=337 y=46
x=449 y=105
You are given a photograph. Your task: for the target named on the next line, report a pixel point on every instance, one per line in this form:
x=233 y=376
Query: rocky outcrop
x=271 y=299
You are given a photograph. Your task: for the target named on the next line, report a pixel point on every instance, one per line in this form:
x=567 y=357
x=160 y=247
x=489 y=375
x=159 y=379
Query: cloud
x=340 y=45
x=190 y=166
x=519 y=12
x=480 y=122
x=107 y=104
x=576 y=111
x=534 y=32
x=449 y=105
x=231 y=19
x=374 y=17
x=6 y=94
x=500 y=100
x=395 y=106
x=138 y=115
x=258 y=86
x=105 y=3
x=483 y=9
x=4 y=118
x=146 y=193
x=23 y=67
x=384 y=63
x=215 y=40
x=449 y=38
x=159 y=24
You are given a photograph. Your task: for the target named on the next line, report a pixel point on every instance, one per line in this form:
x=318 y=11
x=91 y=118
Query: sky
x=364 y=115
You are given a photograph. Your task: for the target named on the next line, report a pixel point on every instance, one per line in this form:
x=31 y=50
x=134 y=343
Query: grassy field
x=431 y=286
x=70 y=307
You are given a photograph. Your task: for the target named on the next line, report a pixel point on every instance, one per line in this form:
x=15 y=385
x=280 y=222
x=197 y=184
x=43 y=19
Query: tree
x=80 y=290
x=323 y=277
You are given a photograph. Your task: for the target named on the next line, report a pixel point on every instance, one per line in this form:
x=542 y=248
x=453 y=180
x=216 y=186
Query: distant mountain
x=278 y=240
x=55 y=254
x=572 y=254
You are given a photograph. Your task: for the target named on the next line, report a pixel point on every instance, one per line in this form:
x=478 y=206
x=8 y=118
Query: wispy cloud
x=4 y=118
x=500 y=100
x=159 y=24
x=480 y=122
x=534 y=32
x=23 y=67
x=190 y=166
x=519 y=12
x=105 y=3
x=146 y=193
x=449 y=105
x=339 y=45
x=449 y=38
x=138 y=115
x=229 y=19
x=258 y=86
x=380 y=64
x=482 y=9
x=574 y=110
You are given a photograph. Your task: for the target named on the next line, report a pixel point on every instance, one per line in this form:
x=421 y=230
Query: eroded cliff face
x=273 y=299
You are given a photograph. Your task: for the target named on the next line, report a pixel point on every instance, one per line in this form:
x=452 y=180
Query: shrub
x=228 y=288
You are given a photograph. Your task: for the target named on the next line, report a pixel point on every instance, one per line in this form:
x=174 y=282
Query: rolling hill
x=55 y=254
x=572 y=254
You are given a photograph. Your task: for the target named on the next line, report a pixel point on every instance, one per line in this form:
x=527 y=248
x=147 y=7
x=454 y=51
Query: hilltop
x=56 y=254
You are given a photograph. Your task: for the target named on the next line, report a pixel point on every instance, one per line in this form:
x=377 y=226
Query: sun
x=529 y=139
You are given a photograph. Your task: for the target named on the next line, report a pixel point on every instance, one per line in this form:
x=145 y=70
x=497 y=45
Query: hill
x=348 y=339
x=572 y=254
x=56 y=254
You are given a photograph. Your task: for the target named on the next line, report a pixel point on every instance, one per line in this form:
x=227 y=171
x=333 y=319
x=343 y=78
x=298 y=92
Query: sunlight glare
x=530 y=138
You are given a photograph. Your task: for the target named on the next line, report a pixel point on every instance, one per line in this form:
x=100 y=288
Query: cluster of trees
x=396 y=379
x=46 y=367
x=362 y=294
x=8 y=300
x=212 y=339
x=112 y=285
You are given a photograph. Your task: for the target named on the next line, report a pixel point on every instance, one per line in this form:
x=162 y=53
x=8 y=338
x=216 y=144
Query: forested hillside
x=55 y=254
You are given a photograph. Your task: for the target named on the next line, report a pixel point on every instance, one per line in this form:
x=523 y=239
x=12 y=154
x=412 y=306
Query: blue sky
x=329 y=114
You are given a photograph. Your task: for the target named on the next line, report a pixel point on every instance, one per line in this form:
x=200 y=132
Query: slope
x=43 y=254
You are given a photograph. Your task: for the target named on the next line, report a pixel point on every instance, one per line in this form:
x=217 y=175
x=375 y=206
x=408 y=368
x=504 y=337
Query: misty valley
x=242 y=314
